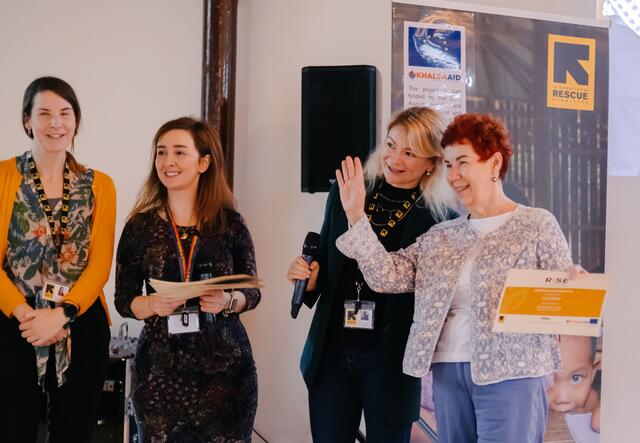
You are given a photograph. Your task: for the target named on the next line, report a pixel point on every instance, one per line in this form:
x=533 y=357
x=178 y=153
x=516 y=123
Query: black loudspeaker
x=338 y=119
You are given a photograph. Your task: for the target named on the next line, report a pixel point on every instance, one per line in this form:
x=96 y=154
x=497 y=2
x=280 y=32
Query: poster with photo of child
x=504 y=72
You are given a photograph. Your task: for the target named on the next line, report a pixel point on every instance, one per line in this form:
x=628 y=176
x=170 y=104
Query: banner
x=548 y=82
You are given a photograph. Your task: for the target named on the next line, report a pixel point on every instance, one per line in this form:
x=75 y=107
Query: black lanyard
x=186 y=264
x=58 y=238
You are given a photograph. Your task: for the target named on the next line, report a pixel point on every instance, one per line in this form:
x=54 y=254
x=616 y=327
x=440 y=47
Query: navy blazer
x=400 y=393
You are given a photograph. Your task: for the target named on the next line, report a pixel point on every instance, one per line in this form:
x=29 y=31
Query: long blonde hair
x=424 y=127
x=214 y=194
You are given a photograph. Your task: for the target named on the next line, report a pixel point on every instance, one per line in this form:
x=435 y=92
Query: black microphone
x=309 y=252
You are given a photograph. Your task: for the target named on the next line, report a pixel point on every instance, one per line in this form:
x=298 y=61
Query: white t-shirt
x=454 y=342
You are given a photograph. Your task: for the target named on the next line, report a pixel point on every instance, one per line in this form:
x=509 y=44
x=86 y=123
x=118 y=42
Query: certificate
x=547 y=302
x=192 y=289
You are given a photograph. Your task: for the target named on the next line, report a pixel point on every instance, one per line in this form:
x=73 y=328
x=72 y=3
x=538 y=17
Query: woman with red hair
x=488 y=386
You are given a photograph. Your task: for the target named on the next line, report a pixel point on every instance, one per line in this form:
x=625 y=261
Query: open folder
x=192 y=289
x=547 y=302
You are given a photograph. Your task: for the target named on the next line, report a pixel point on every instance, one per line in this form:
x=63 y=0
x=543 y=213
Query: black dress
x=195 y=387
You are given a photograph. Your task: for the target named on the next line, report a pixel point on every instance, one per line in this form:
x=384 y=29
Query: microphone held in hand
x=309 y=253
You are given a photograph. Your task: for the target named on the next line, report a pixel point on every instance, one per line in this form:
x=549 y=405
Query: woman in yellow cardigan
x=57 y=223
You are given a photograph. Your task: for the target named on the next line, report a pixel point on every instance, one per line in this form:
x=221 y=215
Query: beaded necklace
x=375 y=208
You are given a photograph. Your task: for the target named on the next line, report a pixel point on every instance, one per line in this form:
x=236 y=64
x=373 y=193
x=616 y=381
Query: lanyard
x=186 y=265
x=359 y=285
x=58 y=238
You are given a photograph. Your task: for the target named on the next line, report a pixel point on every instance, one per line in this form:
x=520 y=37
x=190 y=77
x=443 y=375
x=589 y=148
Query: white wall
x=621 y=364
x=133 y=65
x=275 y=40
x=621 y=361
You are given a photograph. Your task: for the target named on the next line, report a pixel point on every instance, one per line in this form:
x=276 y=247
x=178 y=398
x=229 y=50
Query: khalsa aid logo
x=434 y=76
x=571 y=72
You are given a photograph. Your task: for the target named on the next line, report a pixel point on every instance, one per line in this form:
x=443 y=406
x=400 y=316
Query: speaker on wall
x=338 y=119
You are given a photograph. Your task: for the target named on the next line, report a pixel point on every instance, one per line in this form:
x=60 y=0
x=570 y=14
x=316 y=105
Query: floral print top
x=32 y=256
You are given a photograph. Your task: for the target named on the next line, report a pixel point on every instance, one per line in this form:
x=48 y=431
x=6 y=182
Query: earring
x=494 y=179
x=30 y=132
x=428 y=173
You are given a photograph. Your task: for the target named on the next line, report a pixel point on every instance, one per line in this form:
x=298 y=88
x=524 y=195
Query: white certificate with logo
x=547 y=302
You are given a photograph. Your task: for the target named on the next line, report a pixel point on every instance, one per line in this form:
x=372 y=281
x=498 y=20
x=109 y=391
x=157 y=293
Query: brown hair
x=66 y=92
x=214 y=195
x=486 y=134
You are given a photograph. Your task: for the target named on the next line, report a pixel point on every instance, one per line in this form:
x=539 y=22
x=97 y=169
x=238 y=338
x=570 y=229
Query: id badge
x=185 y=321
x=54 y=291
x=362 y=318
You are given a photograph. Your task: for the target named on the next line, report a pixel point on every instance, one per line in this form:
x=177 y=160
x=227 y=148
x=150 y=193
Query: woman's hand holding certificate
x=186 y=290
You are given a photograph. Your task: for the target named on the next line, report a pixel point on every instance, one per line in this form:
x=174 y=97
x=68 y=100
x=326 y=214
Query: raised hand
x=352 y=190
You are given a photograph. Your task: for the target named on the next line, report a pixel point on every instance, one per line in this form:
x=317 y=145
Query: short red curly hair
x=486 y=134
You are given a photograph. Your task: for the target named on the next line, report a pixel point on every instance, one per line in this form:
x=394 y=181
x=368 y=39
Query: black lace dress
x=195 y=387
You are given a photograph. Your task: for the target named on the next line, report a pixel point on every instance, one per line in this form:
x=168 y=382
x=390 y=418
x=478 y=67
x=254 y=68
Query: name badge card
x=359 y=317
x=547 y=302
x=185 y=321
x=54 y=291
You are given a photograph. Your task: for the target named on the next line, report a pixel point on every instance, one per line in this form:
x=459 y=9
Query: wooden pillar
x=219 y=72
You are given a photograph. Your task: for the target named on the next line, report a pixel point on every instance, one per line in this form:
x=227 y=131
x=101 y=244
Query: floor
x=111 y=433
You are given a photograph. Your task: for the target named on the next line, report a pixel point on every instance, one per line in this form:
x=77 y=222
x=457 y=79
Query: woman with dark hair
x=487 y=386
x=194 y=380
x=57 y=221
x=352 y=360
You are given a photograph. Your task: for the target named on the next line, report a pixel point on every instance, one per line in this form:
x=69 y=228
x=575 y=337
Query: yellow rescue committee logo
x=571 y=72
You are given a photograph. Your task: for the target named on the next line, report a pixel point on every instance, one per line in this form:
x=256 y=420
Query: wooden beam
x=219 y=72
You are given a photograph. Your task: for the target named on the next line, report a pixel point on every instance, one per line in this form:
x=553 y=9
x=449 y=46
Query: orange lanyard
x=186 y=266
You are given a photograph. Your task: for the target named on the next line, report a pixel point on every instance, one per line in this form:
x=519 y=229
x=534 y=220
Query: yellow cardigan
x=89 y=286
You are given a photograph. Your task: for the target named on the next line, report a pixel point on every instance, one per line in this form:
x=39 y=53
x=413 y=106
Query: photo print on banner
x=548 y=82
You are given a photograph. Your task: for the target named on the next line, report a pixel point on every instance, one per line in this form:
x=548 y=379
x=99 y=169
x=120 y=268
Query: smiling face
x=401 y=167
x=572 y=384
x=52 y=121
x=178 y=162
x=471 y=178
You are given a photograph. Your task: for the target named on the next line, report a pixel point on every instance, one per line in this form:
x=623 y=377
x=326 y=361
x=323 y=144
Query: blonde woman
x=352 y=360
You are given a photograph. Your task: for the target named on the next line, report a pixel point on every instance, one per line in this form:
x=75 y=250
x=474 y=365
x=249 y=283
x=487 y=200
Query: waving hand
x=352 y=190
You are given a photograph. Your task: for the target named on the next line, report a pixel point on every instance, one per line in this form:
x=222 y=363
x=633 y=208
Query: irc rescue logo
x=571 y=72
